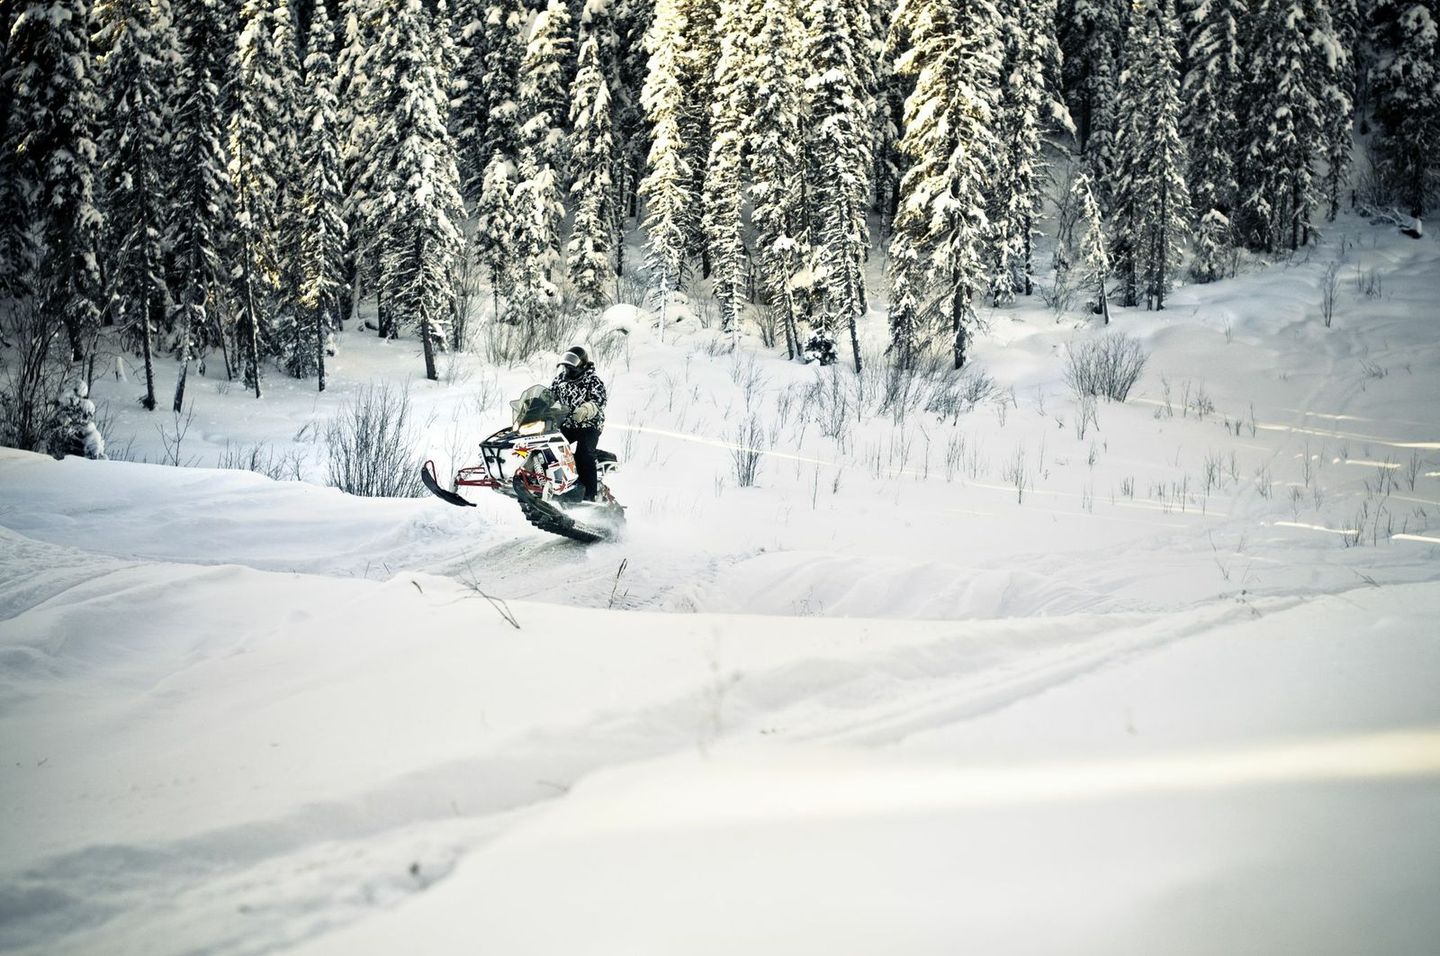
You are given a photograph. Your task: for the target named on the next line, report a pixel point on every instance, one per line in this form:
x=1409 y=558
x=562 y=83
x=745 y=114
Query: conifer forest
x=225 y=185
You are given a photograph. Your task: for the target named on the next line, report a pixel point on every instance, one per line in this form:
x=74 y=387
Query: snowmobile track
x=548 y=518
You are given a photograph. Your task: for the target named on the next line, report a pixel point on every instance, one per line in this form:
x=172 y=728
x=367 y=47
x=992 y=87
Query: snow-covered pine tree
x=257 y=167
x=1405 y=86
x=1151 y=203
x=134 y=109
x=544 y=96
x=504 y=27
x=839 y=112
x=1210 y=120
x=469 y=108
x=292 y=327
x=632 y=19
x=356 y=133
x=1283 y=126
x=723 y=199
x=907 y=272
x=1094 y=255
x=668 y=186
x=1092 y=32
x=698 y=63
x=950 y=143
x=1030 y=107
x=321 y=218
x=198 y=218
x=593 y=154
x=540 y=209
x=420 y=209
x=50 y=166
x=1337 y=52
x=890 y=90
x=773 y=142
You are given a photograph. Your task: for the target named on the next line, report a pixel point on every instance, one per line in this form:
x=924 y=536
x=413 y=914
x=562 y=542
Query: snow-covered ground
x=971 y=680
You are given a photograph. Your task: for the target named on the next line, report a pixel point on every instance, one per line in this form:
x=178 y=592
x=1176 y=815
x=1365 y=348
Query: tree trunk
x=252 y=322
x=958 y=302
x=321 y=320
x=856 y=304
x=1029 y=288
x=149 y=400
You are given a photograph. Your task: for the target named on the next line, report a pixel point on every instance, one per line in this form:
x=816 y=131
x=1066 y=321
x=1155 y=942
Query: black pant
x=585 y=440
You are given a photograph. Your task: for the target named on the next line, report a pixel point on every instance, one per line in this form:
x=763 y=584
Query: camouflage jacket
x=585 y=388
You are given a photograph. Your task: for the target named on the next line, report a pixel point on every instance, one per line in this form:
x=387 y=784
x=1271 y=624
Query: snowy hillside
x=991 y=675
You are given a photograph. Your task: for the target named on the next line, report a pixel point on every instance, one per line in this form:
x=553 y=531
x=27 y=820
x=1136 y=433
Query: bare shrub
x=1369 y=283
x=34 y=372
x=1108 y=366
x=632 y=289
x=1016 y=474
x=262 y=459
x=504 y=342
x=748 y=451
x=1329 y=292
x=1086 y=417
x=371 y=445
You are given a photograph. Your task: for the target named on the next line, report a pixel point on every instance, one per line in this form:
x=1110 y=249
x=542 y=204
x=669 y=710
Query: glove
x=585 y=412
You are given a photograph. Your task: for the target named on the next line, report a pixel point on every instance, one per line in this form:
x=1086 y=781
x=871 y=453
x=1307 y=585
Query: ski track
x=87 y=896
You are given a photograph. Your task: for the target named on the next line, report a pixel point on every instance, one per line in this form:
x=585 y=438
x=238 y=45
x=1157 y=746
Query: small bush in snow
x=747 y=452
x=371 y=446
x=1108 y=367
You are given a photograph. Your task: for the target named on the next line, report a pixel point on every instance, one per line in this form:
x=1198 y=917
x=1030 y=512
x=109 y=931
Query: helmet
x=573 y=362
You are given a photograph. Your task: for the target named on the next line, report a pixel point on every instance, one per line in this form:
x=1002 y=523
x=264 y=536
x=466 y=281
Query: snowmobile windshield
x=537 y=404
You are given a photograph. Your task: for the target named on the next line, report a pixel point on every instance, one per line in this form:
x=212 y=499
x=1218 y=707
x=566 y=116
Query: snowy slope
x=1179 y=696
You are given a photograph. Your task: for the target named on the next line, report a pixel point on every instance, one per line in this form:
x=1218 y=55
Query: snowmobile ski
x=427 y=477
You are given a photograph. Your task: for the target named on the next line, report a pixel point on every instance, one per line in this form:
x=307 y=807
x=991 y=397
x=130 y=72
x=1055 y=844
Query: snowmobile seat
x=601 y=455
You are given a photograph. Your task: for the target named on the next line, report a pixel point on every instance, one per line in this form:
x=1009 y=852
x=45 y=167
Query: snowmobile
x=532 y=462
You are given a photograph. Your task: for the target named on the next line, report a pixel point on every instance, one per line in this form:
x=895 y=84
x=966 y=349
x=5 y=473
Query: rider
x=578 y=386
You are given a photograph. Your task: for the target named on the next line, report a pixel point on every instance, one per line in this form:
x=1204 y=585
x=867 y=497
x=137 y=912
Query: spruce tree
x=198 y=218
x=504 y=28
x=417 y=206
x=1094 y=253
x=540 y=210
x=1284 y=126
x=593 y=160
x=1405 y=82
x=838 y=111
x=723 y=198
x=1337 y=52
x=1029 y=109
x=632 y=22
x=356 y=134
x=1150 y=202
x=698 y=63
x=668 y=186
x=258 y=167
x=544 y=94
x=321 y=205
x=1212 y=92
x=1093 y=31
x=949 y=140
x=292 y=330
x=469 y=109
x=48 y=253
x=891 y=90
x=776 y=186
x=134 y=247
